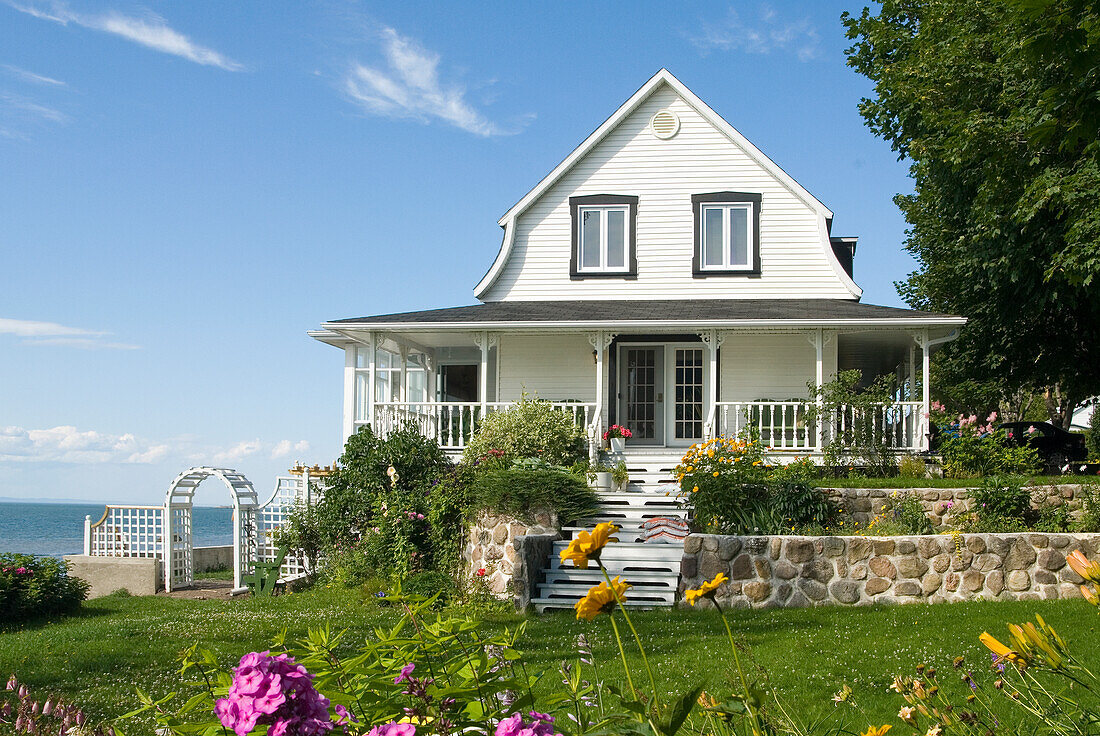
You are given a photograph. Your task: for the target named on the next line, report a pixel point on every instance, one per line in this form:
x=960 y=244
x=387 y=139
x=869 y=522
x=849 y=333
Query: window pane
x=382 y=358
x=417 y=386
x=381 y=386
x=362 y=357
x=616 y=239
x=739 y=236
x=361 y=396
x=590 y=239
x=712 y=237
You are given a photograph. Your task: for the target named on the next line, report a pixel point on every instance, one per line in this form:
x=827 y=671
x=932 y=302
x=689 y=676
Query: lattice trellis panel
x=128 y=531
x=289 y=492
x=181 y=562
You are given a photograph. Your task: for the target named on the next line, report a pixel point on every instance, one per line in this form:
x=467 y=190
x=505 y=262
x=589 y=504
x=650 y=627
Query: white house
x=666 y=276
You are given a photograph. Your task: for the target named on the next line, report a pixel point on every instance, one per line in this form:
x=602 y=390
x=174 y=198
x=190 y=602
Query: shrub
x=37 y=586
x=367 y=522
x=1002 y=496
x=972 y=450
x=531 y=428
x=731 y=491
x=519 y=491
x=908 y=513
x=911 y=467
x=1088 y=520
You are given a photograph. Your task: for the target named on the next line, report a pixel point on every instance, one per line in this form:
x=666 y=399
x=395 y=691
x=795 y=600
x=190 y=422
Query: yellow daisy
x=705 y=590
x=601 y=599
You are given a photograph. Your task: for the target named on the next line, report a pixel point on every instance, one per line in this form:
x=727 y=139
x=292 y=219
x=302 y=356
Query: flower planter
x=618 y=444
x=603 y=481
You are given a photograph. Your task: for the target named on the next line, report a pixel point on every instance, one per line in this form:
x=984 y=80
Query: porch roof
x=652 y=314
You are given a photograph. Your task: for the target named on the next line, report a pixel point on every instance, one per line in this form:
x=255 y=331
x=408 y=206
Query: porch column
x=349 y=390
x=926 y=390
x=372 y=345
x=403 y=356
x=819 y=381
x=713 y=341
x=912 y=388
x=484 y=341
x=600 y=341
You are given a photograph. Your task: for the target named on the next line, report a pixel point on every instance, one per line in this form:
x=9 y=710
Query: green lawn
x=117 y=643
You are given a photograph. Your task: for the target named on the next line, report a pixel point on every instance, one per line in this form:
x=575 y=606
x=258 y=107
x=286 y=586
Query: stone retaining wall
x=794 y=571
x=940 y=503
x=511 y=551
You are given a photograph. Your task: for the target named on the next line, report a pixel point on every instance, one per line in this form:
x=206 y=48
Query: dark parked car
x=1056 y=446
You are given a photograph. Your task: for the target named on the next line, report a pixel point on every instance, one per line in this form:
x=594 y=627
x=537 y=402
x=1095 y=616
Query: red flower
x=481 y=572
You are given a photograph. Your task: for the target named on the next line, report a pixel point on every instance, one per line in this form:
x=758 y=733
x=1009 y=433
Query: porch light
x=595 y=359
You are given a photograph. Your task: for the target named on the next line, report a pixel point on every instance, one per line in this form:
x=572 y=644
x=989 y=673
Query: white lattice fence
x=127 y=531
x=289 y=493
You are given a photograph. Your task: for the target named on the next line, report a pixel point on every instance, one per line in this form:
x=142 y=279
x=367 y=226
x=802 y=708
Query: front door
x=642 y=397
x=648 y=374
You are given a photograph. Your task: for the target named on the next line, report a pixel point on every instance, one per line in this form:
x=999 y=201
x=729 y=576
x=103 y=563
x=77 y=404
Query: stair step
x=595 y=577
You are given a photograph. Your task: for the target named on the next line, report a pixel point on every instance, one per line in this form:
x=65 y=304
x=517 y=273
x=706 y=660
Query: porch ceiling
x=651 y=315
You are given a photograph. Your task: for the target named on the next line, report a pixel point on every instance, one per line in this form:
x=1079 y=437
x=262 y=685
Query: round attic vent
x=665 y=124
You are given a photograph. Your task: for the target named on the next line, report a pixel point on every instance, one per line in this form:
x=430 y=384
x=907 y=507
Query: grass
x=226 y=574
x=1039 y=480
x=119 y=642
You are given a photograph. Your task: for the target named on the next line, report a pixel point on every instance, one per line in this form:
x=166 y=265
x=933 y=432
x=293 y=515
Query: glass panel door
x=643 y=393
x=687 y=403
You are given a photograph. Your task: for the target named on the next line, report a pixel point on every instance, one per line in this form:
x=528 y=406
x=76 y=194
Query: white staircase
x=652 y=569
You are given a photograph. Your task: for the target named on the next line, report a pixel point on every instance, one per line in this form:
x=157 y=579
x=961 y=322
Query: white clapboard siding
x=664 y=174
x=775 y=366
x=555 y=367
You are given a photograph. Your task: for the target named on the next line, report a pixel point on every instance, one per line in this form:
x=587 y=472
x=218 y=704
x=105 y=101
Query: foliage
x=907 y=511
x=301 y=534
x=531 y=428
x=37 y=586
x=971 y=449
x=994 y=106
x=520 y=491
x=25 y=714
x=731 y=491
x=1003 y=497
x=620 y=475
x=911 y=467
x=617 y=431
x=849 y=409
x=1088 y=520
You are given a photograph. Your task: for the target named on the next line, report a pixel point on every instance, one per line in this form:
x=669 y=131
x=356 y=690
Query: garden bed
x=800 y=571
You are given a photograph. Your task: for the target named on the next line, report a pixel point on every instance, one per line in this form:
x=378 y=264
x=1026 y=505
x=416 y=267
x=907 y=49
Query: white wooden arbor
x=179 y=567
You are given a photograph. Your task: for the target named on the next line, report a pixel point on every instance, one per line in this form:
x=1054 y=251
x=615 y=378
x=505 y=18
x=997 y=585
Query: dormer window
x=604 y=234
x=727 y=233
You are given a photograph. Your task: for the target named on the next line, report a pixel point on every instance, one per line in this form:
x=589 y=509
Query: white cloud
x=410 y=87
x=237 y=452
x=151 y=31
x=285 y=447
x=51 y=333
x=68 y=444
x=26 y=76
x=29 y=108
x=767 y=34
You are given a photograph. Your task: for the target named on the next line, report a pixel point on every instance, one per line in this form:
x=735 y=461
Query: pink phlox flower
x=274 y=691
x=343 y=716
x=991 y=418
x=393 y=729
x=1032 y=429
x=406 y=671
x=541 y=724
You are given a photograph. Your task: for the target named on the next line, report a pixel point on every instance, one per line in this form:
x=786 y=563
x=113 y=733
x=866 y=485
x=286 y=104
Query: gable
x=624 y=157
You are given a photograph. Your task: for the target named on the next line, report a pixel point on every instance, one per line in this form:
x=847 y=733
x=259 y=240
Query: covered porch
x=671 y=381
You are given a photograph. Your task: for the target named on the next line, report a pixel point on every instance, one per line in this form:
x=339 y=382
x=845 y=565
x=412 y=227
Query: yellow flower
x=586 y=546
x=1081 y=565
x=715 y=473
x=873 y=731
x=695 y=489
x=704 y=590
x=934 y=730
x=1000 y=649
x=710 y=453
x=906 y=714
x=601 y=599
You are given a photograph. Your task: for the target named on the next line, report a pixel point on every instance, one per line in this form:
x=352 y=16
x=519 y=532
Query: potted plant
x=600 y=477
x=617 y=435
x=620 y=477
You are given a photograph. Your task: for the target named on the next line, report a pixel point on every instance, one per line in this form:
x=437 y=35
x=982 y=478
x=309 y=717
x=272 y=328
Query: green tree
x=993 y=103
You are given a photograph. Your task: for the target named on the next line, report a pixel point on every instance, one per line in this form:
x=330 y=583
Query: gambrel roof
x=658 y=81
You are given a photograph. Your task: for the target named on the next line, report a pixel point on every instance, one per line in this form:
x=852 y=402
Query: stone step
x=595 y=577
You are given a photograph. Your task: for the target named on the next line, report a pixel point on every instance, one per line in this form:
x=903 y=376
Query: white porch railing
x=451 y=424
x=790 y=425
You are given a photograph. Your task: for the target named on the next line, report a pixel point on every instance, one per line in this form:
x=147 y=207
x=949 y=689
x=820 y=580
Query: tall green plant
x=851 y=416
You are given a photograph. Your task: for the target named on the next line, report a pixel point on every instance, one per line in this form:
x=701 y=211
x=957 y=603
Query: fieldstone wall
x=511 y=551
x=941 y=503
x=794 y=571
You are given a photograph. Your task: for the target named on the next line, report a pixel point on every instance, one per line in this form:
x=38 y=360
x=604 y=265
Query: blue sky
x=189 y=187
